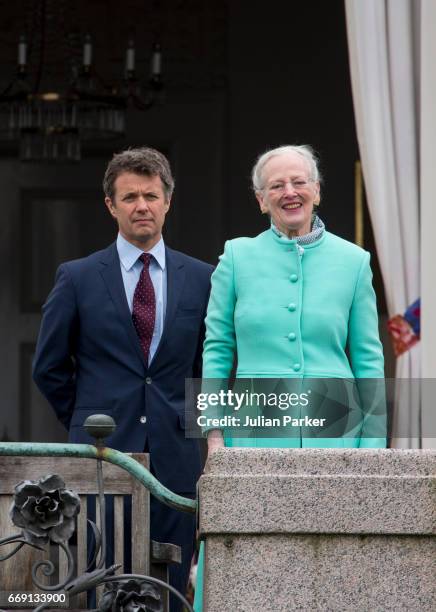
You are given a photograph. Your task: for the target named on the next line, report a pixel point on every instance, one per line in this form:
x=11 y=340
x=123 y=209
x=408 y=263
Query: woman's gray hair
x=305 y=151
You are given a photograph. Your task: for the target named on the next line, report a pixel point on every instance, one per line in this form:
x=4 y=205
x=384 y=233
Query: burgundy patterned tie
x=144 y=307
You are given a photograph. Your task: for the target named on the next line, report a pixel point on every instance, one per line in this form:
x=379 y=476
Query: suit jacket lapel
x=111 y=273
x=175 y=282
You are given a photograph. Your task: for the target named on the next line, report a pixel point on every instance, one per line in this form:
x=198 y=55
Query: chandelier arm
x=142 y=104
x=7 y=88
x=100 y=80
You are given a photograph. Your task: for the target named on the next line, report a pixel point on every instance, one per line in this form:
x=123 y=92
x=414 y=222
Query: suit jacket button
x=148 y=380
x=292 y=336
x=143 y=419
x=294 y=278
x=297 y=366
x=292 y=307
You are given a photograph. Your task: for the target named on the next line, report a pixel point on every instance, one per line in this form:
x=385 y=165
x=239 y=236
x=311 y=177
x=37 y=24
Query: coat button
x=148 y=380
x=297 y=366
x=292 y=307
x=143 y=419
x=294 y=278
x=292 y=336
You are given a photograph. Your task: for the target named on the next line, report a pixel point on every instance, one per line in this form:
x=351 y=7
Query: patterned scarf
x=318 y=229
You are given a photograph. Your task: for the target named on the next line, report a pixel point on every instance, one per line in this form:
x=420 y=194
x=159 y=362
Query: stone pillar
x=319 y=529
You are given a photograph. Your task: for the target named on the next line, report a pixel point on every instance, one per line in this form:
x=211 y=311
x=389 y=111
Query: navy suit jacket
x=88 y=360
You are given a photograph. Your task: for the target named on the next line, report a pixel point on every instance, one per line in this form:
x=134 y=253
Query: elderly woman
x=294 y=302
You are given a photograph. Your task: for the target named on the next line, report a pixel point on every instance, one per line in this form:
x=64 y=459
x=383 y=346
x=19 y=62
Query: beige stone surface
x=277 y=573
x=319 y=529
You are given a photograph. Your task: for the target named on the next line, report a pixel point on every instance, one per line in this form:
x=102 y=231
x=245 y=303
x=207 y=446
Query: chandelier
x=51 y=115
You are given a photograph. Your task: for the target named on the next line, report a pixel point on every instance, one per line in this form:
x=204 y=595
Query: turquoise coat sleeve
x=366 y=357
x=220 y=343
x=366 y=354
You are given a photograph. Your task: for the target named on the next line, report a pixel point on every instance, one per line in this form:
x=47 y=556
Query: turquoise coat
x=292 y=312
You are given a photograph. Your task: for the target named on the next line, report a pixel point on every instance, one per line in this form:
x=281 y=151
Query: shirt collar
x=129 y=253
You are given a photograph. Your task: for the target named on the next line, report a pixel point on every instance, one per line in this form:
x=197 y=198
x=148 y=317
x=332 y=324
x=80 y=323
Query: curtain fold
x=427 y=107
x=382 y=43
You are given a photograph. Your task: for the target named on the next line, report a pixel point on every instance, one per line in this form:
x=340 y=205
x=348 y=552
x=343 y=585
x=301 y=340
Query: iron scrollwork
x=46 y=511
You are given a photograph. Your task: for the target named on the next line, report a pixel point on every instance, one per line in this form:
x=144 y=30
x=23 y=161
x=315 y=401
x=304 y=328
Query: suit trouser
x=174 y=527
x=170 y=525
x=166 y=525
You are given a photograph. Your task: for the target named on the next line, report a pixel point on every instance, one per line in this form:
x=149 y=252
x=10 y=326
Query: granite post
x=319 y=529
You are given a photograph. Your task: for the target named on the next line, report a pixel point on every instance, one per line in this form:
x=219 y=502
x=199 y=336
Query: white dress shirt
x=131 y=268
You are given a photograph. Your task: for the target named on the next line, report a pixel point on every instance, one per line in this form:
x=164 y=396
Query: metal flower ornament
x=132 y=595
x=45 y=510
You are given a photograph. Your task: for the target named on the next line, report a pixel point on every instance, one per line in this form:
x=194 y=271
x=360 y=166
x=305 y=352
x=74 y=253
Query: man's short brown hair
x=143 y=160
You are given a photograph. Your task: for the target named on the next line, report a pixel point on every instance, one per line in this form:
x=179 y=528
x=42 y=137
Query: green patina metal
x=87 y=451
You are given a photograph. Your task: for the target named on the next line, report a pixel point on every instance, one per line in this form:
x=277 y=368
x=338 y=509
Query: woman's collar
x=317 y=231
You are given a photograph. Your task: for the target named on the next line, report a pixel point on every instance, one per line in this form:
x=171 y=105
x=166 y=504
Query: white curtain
x=383 y=42
x=428 y=219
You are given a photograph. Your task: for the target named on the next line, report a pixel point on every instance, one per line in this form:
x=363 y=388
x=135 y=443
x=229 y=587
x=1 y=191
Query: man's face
x=139 y=206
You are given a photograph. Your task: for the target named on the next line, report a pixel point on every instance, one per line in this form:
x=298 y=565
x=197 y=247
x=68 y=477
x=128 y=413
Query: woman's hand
x=215 y=441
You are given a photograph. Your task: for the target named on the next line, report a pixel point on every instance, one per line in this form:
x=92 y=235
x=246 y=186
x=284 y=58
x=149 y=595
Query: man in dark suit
x=122 y=329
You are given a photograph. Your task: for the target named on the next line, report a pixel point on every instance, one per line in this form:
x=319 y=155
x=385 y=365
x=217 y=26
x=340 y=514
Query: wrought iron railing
x=45 y=512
